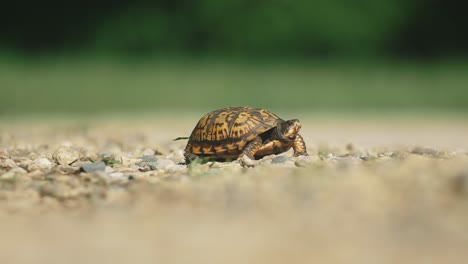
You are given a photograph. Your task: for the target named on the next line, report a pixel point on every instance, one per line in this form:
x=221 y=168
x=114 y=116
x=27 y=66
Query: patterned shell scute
x=227 y=131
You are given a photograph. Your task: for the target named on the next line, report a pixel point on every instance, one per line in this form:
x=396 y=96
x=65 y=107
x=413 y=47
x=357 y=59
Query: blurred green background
x=86 y=57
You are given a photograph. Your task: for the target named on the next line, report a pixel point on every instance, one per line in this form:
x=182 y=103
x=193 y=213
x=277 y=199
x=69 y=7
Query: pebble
x=4 y=153
x=279 y=159
x=22 y=162
x=153 y=163
x=148 y=152
x=13 y=172
x=109 y=169
x=175 y=168
x=36 y=173
x=163 y=163
x=106 y=155
x=67 y=169
x=7 y=163
x=176 y=155
x=65 y=155
x=118 y=175
x=148 y=158
x=40 y=163
x=93 y=167
x=365 y=157
x=19 y=170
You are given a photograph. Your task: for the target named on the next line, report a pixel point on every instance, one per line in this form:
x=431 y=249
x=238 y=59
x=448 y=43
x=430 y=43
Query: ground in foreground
x=100 y=191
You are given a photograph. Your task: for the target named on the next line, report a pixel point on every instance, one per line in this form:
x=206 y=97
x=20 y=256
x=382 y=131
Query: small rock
x=106 y=155
x=66 y=155
x=8 y=164
x=67 y=169
x=117 y=175
x=80 y=164
x=279 y=159
x=148 y=152
x=4 y=153
x=176 y=155
x=148 y=158
x=163 y=163
x=40 y=163
x=93 y=167
x=153 y=163
x=36 y=173
x=109 y=169
x=146 y=166
x=175 y=168
x=18 y=170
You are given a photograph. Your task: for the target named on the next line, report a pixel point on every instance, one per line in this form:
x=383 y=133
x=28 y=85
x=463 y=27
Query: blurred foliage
x=299 y=26
x=238 y=27
x=258 y=28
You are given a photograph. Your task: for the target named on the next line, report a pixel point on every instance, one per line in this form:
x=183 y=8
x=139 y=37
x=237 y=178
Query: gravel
x=149 y=158
x=93 y=167
x=279 y=159
x=339 y=200
x=40 y=163
x=65 y=155
x=7 y=163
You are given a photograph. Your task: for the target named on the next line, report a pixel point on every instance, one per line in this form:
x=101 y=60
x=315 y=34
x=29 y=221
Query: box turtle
x=245 y=133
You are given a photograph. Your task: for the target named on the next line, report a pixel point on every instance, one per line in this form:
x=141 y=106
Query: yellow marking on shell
x=196 y=149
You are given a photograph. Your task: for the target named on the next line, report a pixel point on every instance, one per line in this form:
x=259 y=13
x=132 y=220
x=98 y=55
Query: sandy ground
x=373 y=191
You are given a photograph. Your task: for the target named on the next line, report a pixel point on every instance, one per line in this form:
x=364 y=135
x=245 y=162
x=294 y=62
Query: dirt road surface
x=112 y=191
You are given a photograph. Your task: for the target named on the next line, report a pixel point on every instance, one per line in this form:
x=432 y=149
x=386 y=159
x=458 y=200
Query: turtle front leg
x=299 y=147
x=247 y=159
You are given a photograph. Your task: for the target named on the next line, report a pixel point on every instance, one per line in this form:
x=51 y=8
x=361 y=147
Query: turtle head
x=289 y=129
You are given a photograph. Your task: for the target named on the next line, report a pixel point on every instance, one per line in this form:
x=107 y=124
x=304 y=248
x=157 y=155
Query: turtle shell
x=224 y=133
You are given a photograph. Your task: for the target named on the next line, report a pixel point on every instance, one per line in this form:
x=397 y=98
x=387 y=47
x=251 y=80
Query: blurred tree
x=141 y=30
x=254 y=27
x=271 y=28
x=436 y=28
x=33 y=26
x=304 y=27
